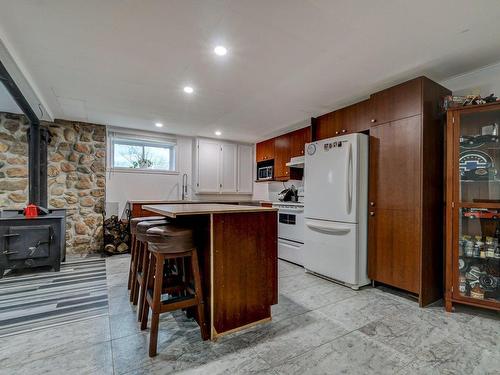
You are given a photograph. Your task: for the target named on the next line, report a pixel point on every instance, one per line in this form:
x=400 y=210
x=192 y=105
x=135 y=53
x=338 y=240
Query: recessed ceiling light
x=220 y=50
x=159 y=125
x=218 y=132
x=188 y=90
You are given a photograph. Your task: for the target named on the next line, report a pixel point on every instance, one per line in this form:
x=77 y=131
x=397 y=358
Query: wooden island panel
x=245 y=269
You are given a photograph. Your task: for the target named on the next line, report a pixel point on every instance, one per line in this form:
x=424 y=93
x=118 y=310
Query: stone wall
x=76 y=175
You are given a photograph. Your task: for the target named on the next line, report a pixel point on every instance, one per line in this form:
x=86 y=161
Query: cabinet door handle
x=372 y=213
x=336 y=132
x=372 y=204
x=373 y=120
x=343 y=130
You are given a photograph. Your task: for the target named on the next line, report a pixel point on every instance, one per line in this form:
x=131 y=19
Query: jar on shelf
x=462 y=285
x=477 y=292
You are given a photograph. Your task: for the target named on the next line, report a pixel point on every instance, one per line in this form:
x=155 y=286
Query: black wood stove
x=39 y=241
x=35 y=242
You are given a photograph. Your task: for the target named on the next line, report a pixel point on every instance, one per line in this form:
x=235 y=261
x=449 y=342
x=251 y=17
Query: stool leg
x=198 y=290
x=140 y=255
x=138 y=252
x=131 y=270
x=156 y=305
x=143 y=285
x=149 y=285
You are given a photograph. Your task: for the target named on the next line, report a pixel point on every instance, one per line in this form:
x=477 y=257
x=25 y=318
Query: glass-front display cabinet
x=473 y=206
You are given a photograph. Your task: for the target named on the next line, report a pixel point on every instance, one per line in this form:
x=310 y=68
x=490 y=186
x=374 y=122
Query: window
x=136 y=154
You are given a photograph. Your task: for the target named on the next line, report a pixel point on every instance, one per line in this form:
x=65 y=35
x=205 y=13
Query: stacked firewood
x=116 y=235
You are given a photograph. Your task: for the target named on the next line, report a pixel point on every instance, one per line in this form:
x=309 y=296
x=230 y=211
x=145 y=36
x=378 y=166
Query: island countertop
x=174 y=210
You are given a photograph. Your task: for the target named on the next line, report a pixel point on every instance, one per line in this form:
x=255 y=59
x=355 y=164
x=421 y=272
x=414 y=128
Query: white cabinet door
x=245 y=169
x=229 y=158
x=208 y=166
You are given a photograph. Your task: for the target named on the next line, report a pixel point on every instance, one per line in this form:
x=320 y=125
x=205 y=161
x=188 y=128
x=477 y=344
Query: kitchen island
x=237 y=247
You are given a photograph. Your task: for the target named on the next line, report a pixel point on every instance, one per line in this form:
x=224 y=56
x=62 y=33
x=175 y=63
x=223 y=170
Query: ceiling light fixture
x=218 y=133
x=188 y=90
x=159 y=125
x=220 y=50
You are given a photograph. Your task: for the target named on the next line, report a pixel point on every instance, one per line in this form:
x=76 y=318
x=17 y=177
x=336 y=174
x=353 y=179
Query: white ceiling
x=125 y=62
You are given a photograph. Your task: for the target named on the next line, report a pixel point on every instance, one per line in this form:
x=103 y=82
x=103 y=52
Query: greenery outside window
x=136 y=154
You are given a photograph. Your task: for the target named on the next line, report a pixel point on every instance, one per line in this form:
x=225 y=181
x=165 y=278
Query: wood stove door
x=28 y=242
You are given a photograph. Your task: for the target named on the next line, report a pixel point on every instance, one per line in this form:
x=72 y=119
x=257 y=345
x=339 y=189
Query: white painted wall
x=482 y=81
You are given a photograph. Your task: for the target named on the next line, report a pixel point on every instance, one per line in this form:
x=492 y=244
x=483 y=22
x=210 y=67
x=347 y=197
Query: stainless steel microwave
x=265 y=173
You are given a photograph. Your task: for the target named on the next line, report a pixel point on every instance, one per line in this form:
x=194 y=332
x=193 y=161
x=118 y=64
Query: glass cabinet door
x=479 y=254
x=479 y=156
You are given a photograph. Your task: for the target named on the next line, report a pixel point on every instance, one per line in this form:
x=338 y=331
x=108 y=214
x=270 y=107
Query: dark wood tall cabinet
x=406 y=205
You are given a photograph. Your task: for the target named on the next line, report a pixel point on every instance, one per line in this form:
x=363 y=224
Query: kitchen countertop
x=194 y=201
x=174 y=210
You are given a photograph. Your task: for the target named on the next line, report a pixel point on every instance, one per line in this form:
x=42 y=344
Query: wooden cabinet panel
x=395 y=167
x=353 y=119
x=394 y=204
x=282 y=149
x=327 y=126
x=265 y=150
x=404 y=100
x=393 y=254
x=298 y=139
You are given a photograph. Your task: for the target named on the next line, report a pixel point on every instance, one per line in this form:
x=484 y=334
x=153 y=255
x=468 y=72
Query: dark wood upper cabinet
x=401 y=101
x=327 y=126
x=282 y=152
x=351 y=119
x=298 y=139
x=264 y=150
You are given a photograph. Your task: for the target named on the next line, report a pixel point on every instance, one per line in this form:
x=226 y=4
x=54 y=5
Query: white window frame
x=141 y=140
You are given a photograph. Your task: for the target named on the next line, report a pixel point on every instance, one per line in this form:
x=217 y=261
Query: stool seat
x=169 y=239
x=136 y=220
x=143 y=227
x=171 y=231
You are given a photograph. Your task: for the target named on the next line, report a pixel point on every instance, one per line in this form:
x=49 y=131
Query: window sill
x=141 y=171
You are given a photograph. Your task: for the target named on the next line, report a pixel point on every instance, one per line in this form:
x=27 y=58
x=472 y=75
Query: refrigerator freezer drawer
x=331 y=249
x=290 y=251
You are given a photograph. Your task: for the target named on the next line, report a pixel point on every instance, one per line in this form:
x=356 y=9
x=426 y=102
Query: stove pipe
x=37 y=139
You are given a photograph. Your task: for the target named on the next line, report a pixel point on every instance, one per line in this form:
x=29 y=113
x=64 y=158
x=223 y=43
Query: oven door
x=291 y=224
x=28 y=242
x=290 y=251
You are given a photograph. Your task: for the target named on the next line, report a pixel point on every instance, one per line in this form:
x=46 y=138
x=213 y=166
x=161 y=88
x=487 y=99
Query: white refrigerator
x=336 y=198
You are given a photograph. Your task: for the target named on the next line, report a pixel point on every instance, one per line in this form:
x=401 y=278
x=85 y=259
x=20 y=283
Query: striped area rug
x=37 y=300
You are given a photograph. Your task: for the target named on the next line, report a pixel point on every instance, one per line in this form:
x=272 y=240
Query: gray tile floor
x=318 y=328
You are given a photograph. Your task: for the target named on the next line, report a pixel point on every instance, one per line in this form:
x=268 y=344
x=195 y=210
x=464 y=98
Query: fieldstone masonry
x=76 y=175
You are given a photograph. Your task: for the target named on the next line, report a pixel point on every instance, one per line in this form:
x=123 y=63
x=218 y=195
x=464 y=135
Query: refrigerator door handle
x=348 y=179
x=327 y=228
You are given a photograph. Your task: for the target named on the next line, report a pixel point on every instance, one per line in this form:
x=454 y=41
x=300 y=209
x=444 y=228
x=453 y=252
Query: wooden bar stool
x=164 y=243
x=141 y=245
x=133 y=245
